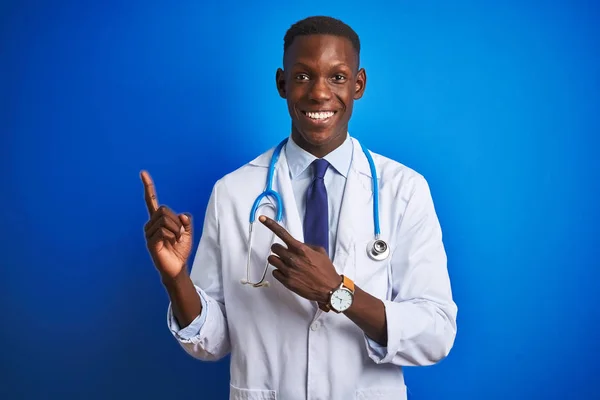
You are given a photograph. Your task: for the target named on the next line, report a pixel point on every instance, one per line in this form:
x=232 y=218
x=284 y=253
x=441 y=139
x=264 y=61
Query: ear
x=280 y=81
x=361 y=84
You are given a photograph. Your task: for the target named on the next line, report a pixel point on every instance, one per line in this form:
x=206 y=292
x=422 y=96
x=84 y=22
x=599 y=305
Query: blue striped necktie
x=316 y=218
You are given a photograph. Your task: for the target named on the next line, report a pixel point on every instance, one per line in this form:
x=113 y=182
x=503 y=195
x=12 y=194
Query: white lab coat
x=283 y=346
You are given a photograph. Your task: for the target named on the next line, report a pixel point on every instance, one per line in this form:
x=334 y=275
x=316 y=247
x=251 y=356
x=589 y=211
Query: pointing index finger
x=279 y=231
x=149 y=193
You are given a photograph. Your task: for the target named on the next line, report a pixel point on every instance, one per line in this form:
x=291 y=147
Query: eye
x=302 y=77
x=339 y=78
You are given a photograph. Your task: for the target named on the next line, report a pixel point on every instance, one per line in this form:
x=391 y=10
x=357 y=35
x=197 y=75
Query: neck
x=319 y=150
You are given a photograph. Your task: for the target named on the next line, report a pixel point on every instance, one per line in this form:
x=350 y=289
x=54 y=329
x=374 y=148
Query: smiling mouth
x=319 y=116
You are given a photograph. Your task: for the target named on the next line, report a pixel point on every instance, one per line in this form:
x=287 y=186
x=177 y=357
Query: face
x=320 y=82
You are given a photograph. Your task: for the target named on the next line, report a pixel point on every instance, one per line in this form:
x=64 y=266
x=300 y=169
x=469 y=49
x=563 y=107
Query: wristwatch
x=340 y=298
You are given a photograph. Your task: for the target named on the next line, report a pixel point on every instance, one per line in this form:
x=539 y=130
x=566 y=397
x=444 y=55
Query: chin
x=318 y=130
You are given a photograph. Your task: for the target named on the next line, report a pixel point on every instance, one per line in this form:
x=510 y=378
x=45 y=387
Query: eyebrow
x=340 y=64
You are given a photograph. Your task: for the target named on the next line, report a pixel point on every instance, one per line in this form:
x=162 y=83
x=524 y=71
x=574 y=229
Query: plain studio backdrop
x=496 y=103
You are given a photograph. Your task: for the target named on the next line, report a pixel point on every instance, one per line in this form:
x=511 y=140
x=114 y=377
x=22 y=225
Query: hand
x=304 y=269
x=168 y=236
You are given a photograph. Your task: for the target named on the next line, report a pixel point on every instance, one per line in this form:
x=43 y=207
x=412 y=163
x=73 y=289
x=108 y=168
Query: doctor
x=336 y=320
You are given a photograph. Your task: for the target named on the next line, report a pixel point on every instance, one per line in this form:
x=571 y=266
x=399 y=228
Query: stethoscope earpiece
x=256 y=285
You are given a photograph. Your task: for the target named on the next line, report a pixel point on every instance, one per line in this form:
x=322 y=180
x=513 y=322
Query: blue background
x=496 y=105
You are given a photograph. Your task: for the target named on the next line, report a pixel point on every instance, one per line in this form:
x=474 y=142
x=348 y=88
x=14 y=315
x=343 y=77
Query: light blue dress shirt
x=299 y=161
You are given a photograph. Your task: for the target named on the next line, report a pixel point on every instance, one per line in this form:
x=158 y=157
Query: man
x=334 y=323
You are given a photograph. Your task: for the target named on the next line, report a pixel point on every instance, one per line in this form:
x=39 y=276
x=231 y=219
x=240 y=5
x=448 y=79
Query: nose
x=319 y=90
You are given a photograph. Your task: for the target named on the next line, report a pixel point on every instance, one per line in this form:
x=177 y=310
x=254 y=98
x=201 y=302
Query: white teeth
x=320 y=115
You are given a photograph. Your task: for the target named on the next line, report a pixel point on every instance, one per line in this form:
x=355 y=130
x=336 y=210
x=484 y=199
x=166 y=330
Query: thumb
x=186 y=220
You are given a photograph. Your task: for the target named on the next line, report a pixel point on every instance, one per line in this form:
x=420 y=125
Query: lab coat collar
x=359 y=161
x=300 y=159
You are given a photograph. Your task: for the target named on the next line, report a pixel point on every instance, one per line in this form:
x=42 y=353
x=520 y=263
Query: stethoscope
x=377 y=249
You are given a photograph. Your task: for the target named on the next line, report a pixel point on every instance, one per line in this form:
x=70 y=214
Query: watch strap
x=347 y=283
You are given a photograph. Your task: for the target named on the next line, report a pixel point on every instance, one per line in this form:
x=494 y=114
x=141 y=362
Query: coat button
x=315 y=326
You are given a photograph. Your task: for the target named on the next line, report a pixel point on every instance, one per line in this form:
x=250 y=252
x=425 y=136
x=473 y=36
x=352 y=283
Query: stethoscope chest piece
x=378 y=250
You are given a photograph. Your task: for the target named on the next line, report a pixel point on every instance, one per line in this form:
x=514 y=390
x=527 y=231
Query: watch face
x=341 y=299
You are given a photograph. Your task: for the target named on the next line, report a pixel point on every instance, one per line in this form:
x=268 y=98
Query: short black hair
x=321 y=25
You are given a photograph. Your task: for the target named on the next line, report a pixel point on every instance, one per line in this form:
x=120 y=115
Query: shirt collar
x=299 y=159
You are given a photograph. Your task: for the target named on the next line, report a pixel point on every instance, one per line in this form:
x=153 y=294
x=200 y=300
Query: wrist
x=170 y=281
x=330 y=288
x=341 y=297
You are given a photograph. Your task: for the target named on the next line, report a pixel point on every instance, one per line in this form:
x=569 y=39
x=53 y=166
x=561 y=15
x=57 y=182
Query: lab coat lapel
x=283 y=184
x=356 y=210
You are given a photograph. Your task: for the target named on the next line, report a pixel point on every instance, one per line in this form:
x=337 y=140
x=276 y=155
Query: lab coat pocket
x=236 y=393
x=382 y=393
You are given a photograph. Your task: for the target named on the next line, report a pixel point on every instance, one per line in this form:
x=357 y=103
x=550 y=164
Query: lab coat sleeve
x=421 y=314
x=378 y=350
x=207 y=337
x=193 y=329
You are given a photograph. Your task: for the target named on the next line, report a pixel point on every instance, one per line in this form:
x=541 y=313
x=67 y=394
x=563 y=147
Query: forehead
x=321 y=51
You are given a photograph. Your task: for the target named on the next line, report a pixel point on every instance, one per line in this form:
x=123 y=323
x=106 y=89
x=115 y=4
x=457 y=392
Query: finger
x=277 y=274
x=163 y=212
x=279 y=264
x=149 y=193
x=166 y=221
x=280 y=232
x=186 y=221
x=281 y=251
x=161 y=235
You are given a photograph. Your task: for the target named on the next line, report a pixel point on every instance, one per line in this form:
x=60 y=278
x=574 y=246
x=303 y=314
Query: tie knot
x=320 y=167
